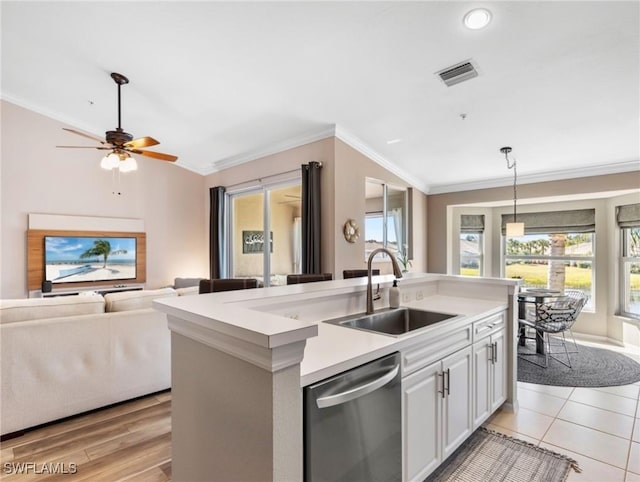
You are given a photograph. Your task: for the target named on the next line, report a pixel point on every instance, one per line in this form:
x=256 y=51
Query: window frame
x=480 y=257
x=591 y=303
x=625 y=278
x=384 y=214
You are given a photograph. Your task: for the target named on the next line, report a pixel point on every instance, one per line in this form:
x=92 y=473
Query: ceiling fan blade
x=88 y=136
x=155 y=155
x=87 y=147
x=141 y=142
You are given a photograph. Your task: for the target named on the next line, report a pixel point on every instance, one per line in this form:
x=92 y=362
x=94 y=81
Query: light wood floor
x=130 y=441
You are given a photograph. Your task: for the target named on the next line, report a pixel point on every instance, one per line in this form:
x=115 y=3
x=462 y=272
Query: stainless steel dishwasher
x=352 y=425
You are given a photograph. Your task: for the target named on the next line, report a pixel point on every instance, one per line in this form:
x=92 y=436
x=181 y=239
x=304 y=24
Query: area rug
x=592 y=367
x=492 y=456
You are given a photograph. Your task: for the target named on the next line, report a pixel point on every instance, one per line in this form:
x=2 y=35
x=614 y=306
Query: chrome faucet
x=396 y=271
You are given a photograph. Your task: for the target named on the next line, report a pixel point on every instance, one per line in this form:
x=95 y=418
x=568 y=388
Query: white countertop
x=338 y=348
x=330 y=349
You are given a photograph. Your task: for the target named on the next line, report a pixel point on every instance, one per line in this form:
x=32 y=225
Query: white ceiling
x=220 y=83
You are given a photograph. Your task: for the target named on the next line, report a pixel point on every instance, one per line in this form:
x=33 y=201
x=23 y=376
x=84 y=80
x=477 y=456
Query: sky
x=70 y=248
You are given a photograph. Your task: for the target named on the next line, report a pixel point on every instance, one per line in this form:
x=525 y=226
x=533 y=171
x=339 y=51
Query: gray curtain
x=311 y=218
x=628 y=216
x=472 y=223
x=216 y=232
x=578 y=221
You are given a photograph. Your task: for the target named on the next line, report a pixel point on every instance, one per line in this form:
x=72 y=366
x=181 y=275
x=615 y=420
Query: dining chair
x=293 y=279
x=358 y=273
x=554 y=317
x=226 y=284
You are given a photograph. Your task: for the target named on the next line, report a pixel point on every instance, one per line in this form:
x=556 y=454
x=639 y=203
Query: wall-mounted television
x=82 y=259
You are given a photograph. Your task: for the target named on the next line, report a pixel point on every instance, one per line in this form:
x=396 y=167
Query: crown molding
x=547 y=176
x=361 y=147
x=76 y=124
x=307 y=138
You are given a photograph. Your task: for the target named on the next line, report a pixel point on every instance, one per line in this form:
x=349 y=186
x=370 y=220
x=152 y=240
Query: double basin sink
x=392 y=321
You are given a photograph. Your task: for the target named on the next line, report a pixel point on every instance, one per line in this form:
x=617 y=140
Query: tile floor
x=598 y=427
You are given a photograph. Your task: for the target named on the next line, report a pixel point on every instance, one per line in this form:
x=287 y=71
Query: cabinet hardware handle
x=442 y=392
x=495 y=352
x=448 y=381
x=491 y=355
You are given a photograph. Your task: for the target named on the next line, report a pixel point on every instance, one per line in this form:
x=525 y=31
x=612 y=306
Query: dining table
x=535 y=296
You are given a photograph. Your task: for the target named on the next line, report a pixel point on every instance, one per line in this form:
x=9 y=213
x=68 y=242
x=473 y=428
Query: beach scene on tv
x=71 y=259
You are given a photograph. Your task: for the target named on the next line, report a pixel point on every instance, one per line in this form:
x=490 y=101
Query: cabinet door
x=499 y=368
x=421 y=414
x=457 y=420
x=482 y=391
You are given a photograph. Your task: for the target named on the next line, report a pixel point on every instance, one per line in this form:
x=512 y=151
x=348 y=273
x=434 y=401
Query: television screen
x=78 y=259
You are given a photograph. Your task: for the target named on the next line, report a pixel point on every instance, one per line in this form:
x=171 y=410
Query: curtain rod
x=261 y=179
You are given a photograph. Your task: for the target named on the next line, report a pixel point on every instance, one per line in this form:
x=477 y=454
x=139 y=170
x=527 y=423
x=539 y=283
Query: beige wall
x=438 y=204
x=36 y=177
x=343 y=182
x=352 y=168
x=444 y=215
x=270 y=169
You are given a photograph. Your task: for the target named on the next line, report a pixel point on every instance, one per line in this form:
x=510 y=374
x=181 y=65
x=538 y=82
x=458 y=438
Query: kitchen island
x=241 y=358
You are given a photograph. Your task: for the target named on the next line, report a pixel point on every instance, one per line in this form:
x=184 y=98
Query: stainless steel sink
x=394 y=322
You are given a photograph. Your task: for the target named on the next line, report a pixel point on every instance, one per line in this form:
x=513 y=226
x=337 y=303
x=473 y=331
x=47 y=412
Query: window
x=386 y=219
x=629 y=221
x=556 y=252
x=273 y=209
x=471 y=244
x=471 y=250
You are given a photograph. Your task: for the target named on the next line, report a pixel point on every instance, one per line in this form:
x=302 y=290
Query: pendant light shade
x=514 y=229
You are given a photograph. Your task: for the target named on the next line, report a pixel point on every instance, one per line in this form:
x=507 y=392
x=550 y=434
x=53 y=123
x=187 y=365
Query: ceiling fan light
x=128 y=164
x=110 y=161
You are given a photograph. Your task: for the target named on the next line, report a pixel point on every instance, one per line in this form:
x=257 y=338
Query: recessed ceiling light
x=477 y=18
x=394 y=141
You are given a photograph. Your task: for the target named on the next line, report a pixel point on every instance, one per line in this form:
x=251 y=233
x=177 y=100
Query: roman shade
x=576 y=221
x=628 y=216
x=472 y=223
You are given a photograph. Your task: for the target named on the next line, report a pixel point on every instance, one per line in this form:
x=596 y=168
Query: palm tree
x=101 y=248
x=556 y=267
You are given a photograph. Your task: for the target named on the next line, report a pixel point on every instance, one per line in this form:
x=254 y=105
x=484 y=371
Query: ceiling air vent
x=458 y=73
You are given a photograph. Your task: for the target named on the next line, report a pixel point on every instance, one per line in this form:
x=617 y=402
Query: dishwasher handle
x=353 y=393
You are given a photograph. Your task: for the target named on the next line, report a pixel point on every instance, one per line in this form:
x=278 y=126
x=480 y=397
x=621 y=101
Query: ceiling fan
x=121 y=143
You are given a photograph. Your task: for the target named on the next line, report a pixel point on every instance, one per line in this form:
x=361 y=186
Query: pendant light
x=514 y=229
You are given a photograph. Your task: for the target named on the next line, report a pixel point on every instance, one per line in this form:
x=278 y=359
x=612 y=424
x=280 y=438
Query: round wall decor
x=351 y=231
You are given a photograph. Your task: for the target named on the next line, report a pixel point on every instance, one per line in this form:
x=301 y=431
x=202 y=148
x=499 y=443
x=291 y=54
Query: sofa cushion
x=191 y=290
x=12 y=311
x=135 y=300
x=186 y=282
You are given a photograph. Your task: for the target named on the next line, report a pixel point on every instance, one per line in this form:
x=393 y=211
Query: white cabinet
x=436 y=405
x=489 y=369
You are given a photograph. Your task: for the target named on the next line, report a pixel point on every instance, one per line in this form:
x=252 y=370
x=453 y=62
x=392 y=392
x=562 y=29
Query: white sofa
x=65 y=355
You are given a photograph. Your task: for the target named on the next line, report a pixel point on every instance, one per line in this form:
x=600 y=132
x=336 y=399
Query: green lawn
x=536 y=274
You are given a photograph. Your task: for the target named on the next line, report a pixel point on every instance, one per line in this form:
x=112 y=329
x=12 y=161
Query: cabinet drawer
x=435 y=348
x=488 y=326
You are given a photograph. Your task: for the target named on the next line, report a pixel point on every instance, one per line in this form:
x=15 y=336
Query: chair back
x=226 y=284
x=358 y=273
x=562 y=312
x=293 y=279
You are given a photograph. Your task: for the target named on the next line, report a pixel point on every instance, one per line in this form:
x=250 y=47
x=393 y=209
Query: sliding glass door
x=265 y=221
